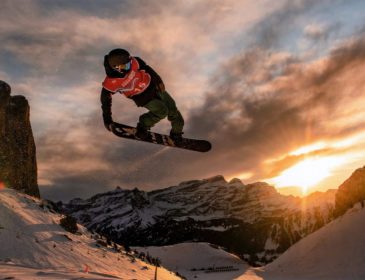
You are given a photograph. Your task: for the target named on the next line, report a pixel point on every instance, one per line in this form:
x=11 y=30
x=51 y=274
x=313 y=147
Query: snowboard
x=126 y=131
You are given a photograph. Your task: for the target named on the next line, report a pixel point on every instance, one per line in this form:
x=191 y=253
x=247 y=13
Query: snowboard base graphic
x=129 y=132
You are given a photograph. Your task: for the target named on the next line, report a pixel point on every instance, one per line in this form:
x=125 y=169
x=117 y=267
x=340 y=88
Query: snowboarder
x=135 y=79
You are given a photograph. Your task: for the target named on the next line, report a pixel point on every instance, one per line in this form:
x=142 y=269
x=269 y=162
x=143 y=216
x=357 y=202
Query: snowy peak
x=248 y=219
x=219 y=199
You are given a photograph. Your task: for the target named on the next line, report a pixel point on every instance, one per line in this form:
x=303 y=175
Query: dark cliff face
x=351 y=192
x=18 y=166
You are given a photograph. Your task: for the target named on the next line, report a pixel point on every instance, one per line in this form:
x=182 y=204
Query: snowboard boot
x=176 y=136
x=142 y=132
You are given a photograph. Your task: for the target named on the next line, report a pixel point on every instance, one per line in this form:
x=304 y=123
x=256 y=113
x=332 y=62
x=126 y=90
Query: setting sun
x=307 y=173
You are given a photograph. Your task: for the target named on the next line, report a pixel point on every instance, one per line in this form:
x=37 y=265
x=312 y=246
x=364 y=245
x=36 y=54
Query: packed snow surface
x=198 y=261
x=335 y=252
x=34 y=246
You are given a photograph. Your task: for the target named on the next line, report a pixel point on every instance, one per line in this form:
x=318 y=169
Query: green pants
x=160 y=109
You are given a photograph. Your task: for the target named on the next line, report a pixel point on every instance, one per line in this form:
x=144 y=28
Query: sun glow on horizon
x=241 y=176
x=322 y=159
x=307 y=173
x=310 y=148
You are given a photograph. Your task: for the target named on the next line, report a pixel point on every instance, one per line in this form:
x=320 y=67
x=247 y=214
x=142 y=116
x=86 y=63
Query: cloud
x=72 y=186
x=321 y=31
x=268 y=32
x=65 y=40
x=260 y=110
x=256 y=105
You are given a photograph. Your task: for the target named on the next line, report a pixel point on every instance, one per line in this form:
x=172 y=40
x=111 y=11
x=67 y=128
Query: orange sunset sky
x=276 y=86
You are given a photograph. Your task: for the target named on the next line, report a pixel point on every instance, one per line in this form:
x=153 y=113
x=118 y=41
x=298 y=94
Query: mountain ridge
x=230 y=214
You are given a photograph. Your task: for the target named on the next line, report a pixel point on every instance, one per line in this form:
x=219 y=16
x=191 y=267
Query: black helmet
x=118 y=57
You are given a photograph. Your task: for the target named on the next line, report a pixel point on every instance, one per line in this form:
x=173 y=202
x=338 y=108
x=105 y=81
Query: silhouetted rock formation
x=18 y=165
x=351 y=192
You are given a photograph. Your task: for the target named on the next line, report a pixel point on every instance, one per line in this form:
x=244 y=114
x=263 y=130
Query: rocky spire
x=350 y=192
x=18 y=165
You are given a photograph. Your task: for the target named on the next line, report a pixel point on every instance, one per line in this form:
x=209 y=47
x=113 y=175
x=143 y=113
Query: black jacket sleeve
x=106 y=106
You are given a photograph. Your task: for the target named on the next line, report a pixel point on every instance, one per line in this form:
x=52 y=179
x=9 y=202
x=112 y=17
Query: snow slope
x=34 y=246
x=189 y=260
x=335 y=252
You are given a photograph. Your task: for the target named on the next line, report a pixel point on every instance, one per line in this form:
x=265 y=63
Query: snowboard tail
x=129 y=132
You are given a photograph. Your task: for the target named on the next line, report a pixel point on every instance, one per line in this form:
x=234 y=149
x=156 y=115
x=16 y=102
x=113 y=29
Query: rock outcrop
x=18 y=165
x=350 y=192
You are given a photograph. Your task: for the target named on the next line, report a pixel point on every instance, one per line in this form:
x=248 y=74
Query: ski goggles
x=123 y=67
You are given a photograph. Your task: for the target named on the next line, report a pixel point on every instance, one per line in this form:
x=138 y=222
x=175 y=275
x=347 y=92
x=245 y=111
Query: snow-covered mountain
x=253 y=221
x=334 y=252
x=34 y=246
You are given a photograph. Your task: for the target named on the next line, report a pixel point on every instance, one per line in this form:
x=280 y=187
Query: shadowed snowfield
x=335 y=252
x=34 y=246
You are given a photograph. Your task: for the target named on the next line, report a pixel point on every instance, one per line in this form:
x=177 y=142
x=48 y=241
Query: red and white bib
x=135 y=82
